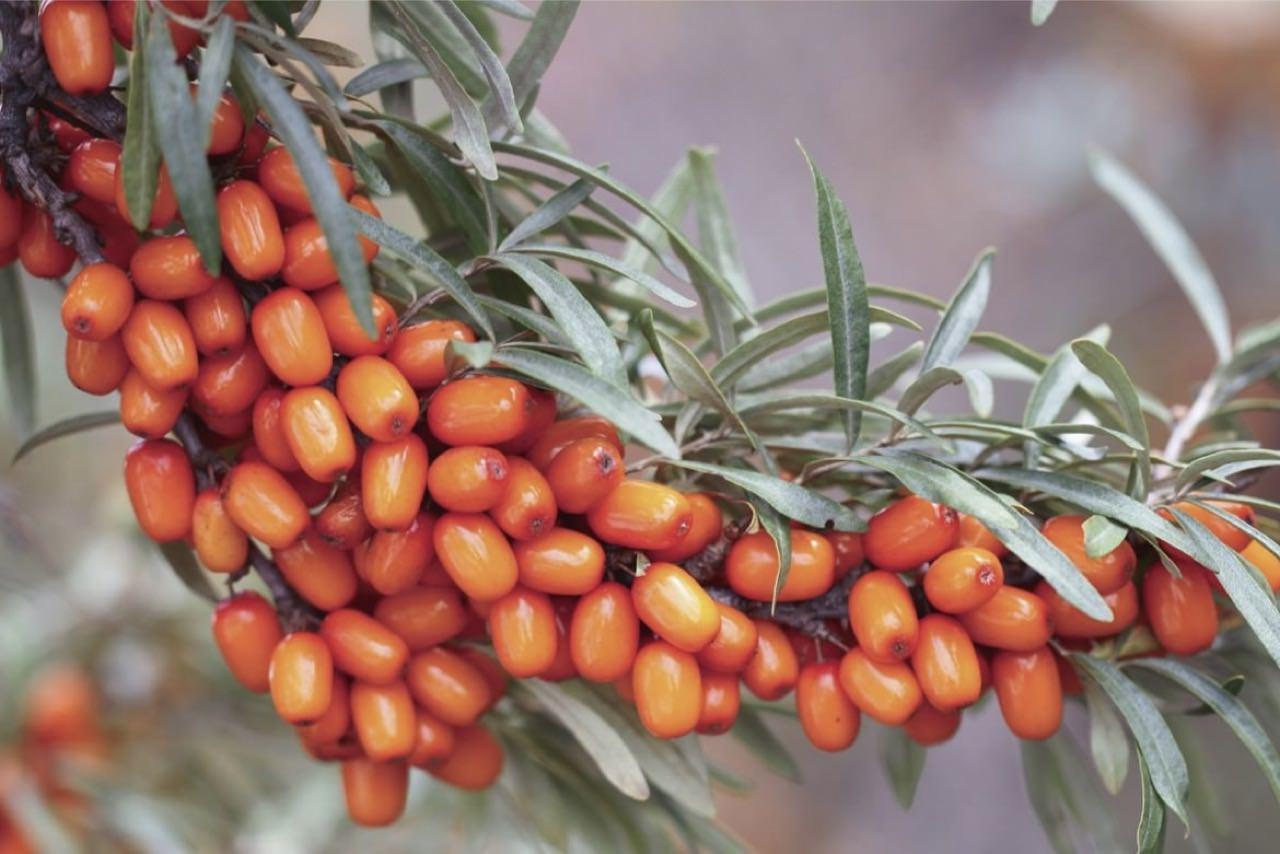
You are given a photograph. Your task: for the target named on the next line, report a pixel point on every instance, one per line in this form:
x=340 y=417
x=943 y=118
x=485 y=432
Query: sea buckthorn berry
x=393 y=478
x=671 y=603
x=1071 y=623
x=705 y=530
x=92 y=169
x=76 y=35
x=827 y=715
x=848 y=551
x=41 y=253
x=385 y=720
x=220 y=545
x=96 y=367
x=233 y=427
x=734 y=644
x=11 y=210
x=468 y=478
x=290 y=335
x=217 y=318
x=752 y=567
x=641 y=514
x=316 y=428
x=930 y=726
x=475 y=762
x=1013 y=619
x=1182 y=613
x=489 y=669
x=363 y=647
x=341 y=522
x=301 y=677
x=162 y=488
x=476 y=555
x=375 y=792
x=1231 y=536
x=1109 y=572
x=423 y=616
x=883 y=617
x=974 y=534
x=227 y=129
x=345 y=332
x=377 y=398
x=479 y=410
x=268 y=430
x=308 y=265
x=280 y=178
x=909 y=532
x=418 y=350
x=66 y=135
x=164 y=205
x=962 y=579
x=583 y=473
x=946 y=663
x=721 y=701
x=563 y=433
x=394 y=561
x=118 y=239
x=149 y=412
x=523 y=627
x=251 y=235
x=561 y=562
x=160 y=345
x=319 y=573
x=1263 y=559
x=527 y=508
x=226 y=385
x=668 y=688
x=335 y=724
x=541 y=416
x=448 y=686
x=562 y=668
x=433 y=740
x=247 y=630
x=888 y=693
x=264 y=505
x=604 y=633
x=1030 y=692
x=773 y=669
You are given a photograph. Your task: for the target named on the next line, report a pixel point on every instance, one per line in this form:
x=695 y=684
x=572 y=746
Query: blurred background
x=946 y=127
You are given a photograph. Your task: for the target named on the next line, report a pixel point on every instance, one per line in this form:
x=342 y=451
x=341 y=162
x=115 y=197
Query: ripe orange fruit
x=39 y=249
x=291 y=337
x=149 y=412
x=561 y=562
x=377 y=398
x=946 y=663
x=721 y=701
x=668 y=688
x=385 y=720
x=220 y=545
x=972 y=533
x=375 y=791
x=345 y=332
x=319 y=573
x=1231 y=536
x=418 y=350
x=393 y=477
x=335 y=724
x=164 y=204
x=604 y=633
x=423 y=616
x=476 y=555
x=883 y=617
x=541 y=416
x=162 y=488
x=1071 y=623
x=773 y=670
x=909 y=532
x=641 y=514
x=279 y=176
x=264 y=505
x=1262 y=558
x=318 y=433
x=301 y=677
x=1013 y=619
x=930 y=726
x=583 y=473
x=230 y=384
x=364 y=648
x=848 y=551
x=433 y=740
x=394 y=561
x=448 y=686
x=246 y=631
x=96 y=367
x=468 y=479
x=1030 y=692
x=475 y=763
x=827 y=715
x=526 y=509
x=170 y=268
x=752 y=566
x=561 y=434
x=11 y=211
x=269 y=433
x=479 y=410
x=341 y=522
x=217 y=318
x=889 y=693
x=962 y=579
x=160 y=345
x=91 y=170
x=671 y=603
x=251 y=235
x=734 y=644
x=523 y=627
x=1182 y=613
x=1107 y=573
x=76 y=35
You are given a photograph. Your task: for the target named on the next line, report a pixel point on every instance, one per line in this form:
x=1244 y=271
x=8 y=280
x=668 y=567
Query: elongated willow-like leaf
x=606 y=262
x=1107 y=740
x=549 y=213
x=18 y=350
x=687 y=373
x=1151 y=820
x=751 y=730
x=783 y=401
x=541 y=43
x=1057 y=383
x=389 y=73
x=1067 y=802
x=962 y=315
x=903 y=762
x=65 y=427
x=215 y=67
x=792 y=500
x=501 y=105
x=1101 y=536
x=140 y=156
x=715 y=229
x=1213 y=463
x=1041 y=10
x=1107 y=367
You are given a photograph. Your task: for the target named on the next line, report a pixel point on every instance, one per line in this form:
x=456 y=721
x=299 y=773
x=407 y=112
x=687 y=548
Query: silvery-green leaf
x=1107 y=740
x=751 y=730
x=790 y=499
x=1041 y=10
x=605 y=262
x=1107 y=367
x=18 y=351
x=962 y=315
x=903 y=762
x=1101 y=536
x=715 y=229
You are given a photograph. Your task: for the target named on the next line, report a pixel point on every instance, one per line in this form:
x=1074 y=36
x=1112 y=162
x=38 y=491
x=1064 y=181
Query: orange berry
x=1262 y=558
x=377 y=398
x=227 y=129
x=721 y=701
x=423 y=616
x=827 y=715
x=375 y=791
x=316 y=428
x=848 y=551
x=164 y=204
x=1182 y=613
x=220 y=545
x=668 y=688
x=146 y=411
x=341 y=522
x=291 y=337
x=170 y=268
x=39 y=249
x=264 y=505
x=418 y=350
x=671 y=603
x=527 y=508
x=475 y=763
x=268 y=430
x=280 y=178
x=883 y=617
x=1107 y=573
x=946 y=663
x=705 y=530
x=162 y=488
x=1012 y=619
x=541 y=416
x=930 y=726
x=246 y=631
x=889 y=693
x=76 y=35
x=973 y=533
x=251 y=235
x=217 y=318
x=583 y=473
x=734 y=644
x=752 y=566
x=641 y=514
x=773 y=669
x=65 y=134
x=394 y=561
x=433 y=741
x=345 y=332
x=1231 y=536
x=604 y=633
x=364 y=648
x=91 y=170
x=1072 y=623
x=160 y=345
x=385 y=720
x=523 y=627
x=393 y=478
x=301 y=677
x=96 y=367
x=1030 y=692
x=561 y=562
x=479 y=410
x=335 y=724
x=560 y=434
x=476 y=555
x=962 y=579
x=448 y=686
x=468 y=479
x=319 y=573
x=230 y=384
x=909 y=532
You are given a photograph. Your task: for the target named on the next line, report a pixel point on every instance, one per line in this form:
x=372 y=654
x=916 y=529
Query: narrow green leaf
x=1151 y=819
x=278 y=12
x=749 y=353
x=541 y=42
x=460 y=355
x=779 y=530
x=981 y=391
x=925 y=385
x=887 y=373
x=17 y=348
x=1055 y=386
x=215 y=67
x=183 y=562
x=384 y=74
x=847 y=303
x=685 y=371
x=754 y=734
x=605 y=262
x=1041 y=10
x=903 y=763
x=1074 y=814
x=962 y=315
x=1045 y=784
x=1171 y=242
x=140 y=156
x=715 y=229
x=1235 y=521
x=1233 y=685
x=783 y=401
x=1209 y=463
x=528 y=318
x=501 y=105
x=65 y=427
x=1108 y=368
x=510 y=8
x=790 y=499
x=1107 y=740
x=1101 y=535
x=331 y=53
x=810 y=360
x=549 y=213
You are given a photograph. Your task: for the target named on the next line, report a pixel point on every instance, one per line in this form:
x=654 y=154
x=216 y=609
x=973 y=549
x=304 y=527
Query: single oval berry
x=1071 y=623
x=41 y=253
x=883 y=617
x=827 y=715
x=1012 y=619
x=76 y=35
x=972 y=533
x=423 y=616
x=394 y=561
x=246 y=631
x=475 y=763
x=96 y=367
x=160 y=345
x=476 y=555
x=721 y=702
x=364 y=648
x=318 y=433
x=217 y=317
x=963 y=579
x=668 y=689
x=291 y=337
x=561 y=434
x=583 y=473
x=448 y=686
x=909 y=532
x=479 y=410
x=1109 y=572
x=604 y=634
x=264 y=505
x=385 y=720
x=319 y=573
x=527 y=508
x=671 y=603
x=345 y=332
x=641 y=514
x=773 y=670
x=752 y=567
x=1263 y=559
x=418 y=350
x=220 y=545
x=946 y=663
x=279 y=176
x=170 y=268
x=146 y=411
x=433 y=741
x=734 y=644
x=705 y=530
x=1181 y=611
x=91 y=170
x=930 y=726
x=341 y=522
x=888 y=693
x=162 y=488
x=230 y=384
x=394 y=477
x=251 y=235
x=269 y=432
x=301 y=677
x=468 y=479
x=522 y=625
x=1030 y=692
x=377 y=398
x=375 y=792
x=848 y=551
x=562 y=562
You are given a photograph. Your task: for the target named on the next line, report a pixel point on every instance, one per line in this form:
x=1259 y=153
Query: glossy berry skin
x=542 y=415
x=308 y=263
x=1030 y=692
x=1073 y=624
x=752 y=566
x=301 y=677
x=734 y=644
x=91 y=170
x=1231 y=536
x=583 y=473
x=319 y=573
x=264 y=505
x=773 y=670
x=393 y=478
x=526 y=509
x=423 y=616
x=888 y=693
x=883 y=617
x=149 y=412
x=604 y=633
x=217 y=318
x=562 y=433
x=335 y=724
x=721 y=702
x=1262 y=559
x=230 y=384
x=562 y=562
x=475 y=763
x=169 y=268
x=76 y=35
x=930 y=726
x=97 y=302
x=375 y=792
x=668 y=689
x=341 y=522
x=963 y=578
x=641 y=514
x=848 y=551
x=385 y=720
x=909 y=532
x=522 y=625
x=364 y=648
x=448 y=686
x=162 y=488
x=468 y=479
x=246 y=631
x=1013 y=619
x=164 y=205
x=671 y=603
x=160 y=345
x=268 y=430
x=827 y=715
x=96 y=367
x=227 y=130
x=291 y=337
x=318 y=433
x=1107 y=573
x=1181 y=611
x=972 y=533
x=251 y=237
x=345 y=332
x=280 y=178
x=946 y=663
x=220 y=545
x=418 y=350
x=433 y=741
x=476 y=555
x=479 y=410
x=377 y=398
x=707 y=526
x=39 y=250
x=393 y=561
